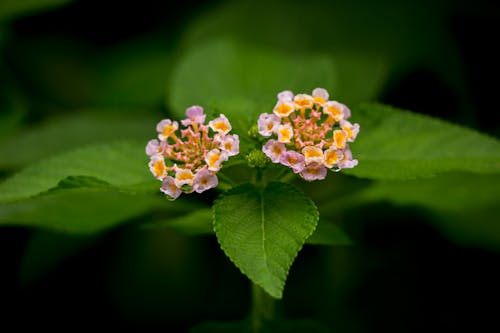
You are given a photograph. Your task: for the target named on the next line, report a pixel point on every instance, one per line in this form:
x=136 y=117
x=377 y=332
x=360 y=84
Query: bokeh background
x=96 y=63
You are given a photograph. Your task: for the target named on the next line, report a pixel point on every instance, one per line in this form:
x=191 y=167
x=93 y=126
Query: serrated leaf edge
x=313 y=209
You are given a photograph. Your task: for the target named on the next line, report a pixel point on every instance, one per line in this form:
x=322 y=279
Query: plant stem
x=258 y=178
x=226 y=179
x=262 y=308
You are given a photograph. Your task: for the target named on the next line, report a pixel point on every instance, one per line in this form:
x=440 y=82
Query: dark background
x=401 y=276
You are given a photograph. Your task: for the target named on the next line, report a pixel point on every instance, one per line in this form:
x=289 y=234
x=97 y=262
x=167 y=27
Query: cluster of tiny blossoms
x=309 y=134
x=189 y=162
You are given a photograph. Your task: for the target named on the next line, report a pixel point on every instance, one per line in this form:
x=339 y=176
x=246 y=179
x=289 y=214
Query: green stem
x=286 y=178
x=262 y=308
x=225 y=179
x=258 y=177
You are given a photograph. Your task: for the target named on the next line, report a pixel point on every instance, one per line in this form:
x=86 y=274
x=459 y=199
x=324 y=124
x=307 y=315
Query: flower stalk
x=262 y=309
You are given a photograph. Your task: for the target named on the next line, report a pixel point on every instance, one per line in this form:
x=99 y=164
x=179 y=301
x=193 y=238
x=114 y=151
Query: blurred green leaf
x=133 y=74
x=241 y=81
x=327 y=233
x=70 y=131
x=121 y=164
x=45 y=250
x=13 y=103
x=198 y=222
x=81 y=182
x=466 y=205
x=130 y=75
x=13 y=9
x=79 y=211
x=367 y=40
x=397 y=144
x=463 y=206
x=262 y=231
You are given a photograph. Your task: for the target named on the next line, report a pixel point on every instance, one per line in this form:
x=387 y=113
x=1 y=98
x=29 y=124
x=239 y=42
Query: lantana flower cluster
x=309 y=134
x=188 y=159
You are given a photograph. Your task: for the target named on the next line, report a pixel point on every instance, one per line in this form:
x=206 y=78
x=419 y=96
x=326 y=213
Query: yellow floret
x=340 y=138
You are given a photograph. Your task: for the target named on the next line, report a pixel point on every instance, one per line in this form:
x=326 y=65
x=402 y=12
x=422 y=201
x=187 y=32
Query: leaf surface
x=397 y=144
x=262 y=231
x=122 y=164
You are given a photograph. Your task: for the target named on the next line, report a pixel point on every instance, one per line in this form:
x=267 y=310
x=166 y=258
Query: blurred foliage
x=77 y=211
x=120 y=164
x=63 y=133
x=402 y=145
x=367 y=40
x=76 y=114
x=12 y=9
x=463 y=205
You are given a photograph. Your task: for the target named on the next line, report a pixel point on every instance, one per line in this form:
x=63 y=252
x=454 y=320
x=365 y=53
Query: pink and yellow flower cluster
x=187 y=159
x=309 y=134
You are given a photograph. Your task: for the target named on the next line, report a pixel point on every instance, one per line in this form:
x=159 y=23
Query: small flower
x=335 y=110
x=204 y=180
x=313 y=154
x=285 y=133
x=153 y=147
x=302 y=138
x=195 y=116
x=293 y=160
x=351 y=130
x=183 y=177
x=169 y=188
x=274 y=149
x=158 y=167
x=347 y=112
x=332 y=156
x=285 y=96
x=230 y=144
x=347 y=162
x=220 y=125
x=339 y=138
x=283 y=108
x=320 y=96
x=166 y=128
x=268 y=123
x=194 y=156
x=214 y=159
x=314 y=171
x=303 y=101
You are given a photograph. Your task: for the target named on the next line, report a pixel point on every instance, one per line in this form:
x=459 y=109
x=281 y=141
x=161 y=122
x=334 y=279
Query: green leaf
x=79 y=211
x=130 y=75
x=465 y=205
x=241 y=81
x=122 y=165
x=12 y=9
x=262 y=231
x=73 y=130
x=198 y=222
x=133 y=74
x=397 y=144
x=361 y=39
x=328 y=234
x=81 y=182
